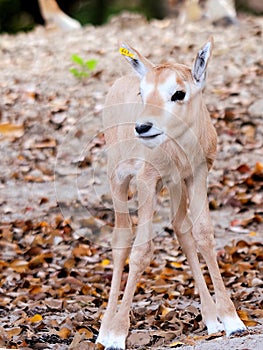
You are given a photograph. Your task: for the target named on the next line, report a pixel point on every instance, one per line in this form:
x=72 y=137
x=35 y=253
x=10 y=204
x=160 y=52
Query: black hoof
x=239 y=333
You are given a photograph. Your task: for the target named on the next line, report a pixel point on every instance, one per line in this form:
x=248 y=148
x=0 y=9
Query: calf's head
x=171 y=94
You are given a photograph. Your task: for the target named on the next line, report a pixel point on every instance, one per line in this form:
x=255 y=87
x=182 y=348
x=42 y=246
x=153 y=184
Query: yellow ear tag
x=126 y=52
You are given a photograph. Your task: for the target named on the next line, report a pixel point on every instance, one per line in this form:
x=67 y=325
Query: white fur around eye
x=169 y=87
x=145 y=89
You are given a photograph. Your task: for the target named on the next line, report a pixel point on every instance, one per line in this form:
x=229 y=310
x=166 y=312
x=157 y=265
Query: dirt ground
x=51 y=143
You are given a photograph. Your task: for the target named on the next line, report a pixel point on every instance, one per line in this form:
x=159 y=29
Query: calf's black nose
x=142 y=128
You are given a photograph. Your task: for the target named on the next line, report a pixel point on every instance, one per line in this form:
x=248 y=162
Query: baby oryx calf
x=158 y=130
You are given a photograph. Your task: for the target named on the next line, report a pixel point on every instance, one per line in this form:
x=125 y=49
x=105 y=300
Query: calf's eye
x=178 y=96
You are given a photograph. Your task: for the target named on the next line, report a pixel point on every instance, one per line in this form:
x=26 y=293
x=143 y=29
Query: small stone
x=257 y=282
x=256 y=109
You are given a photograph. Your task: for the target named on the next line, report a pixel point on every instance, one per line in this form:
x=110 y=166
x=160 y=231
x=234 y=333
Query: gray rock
x=256 y=109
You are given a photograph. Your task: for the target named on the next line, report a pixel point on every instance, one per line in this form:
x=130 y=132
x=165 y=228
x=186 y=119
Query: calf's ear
x=138 y=62
x=201 y=61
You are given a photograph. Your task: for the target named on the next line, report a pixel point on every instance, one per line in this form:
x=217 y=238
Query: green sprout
x=85 y=67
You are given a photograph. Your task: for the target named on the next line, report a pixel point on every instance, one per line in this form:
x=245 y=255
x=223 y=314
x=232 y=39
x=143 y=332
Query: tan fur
x=48 y=6
x=182 y=162
x=54 y=16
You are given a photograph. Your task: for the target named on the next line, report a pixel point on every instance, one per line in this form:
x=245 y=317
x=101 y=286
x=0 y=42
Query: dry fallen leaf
x=64 y=333
x=36 y=318
x=105 y=262
x=13 y=332
x=12 y=131
x=176 y=344
x=245 y=318
x=88 y=334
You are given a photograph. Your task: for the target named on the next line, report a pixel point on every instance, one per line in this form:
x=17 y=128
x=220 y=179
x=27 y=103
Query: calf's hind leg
x=226 y=312
x=204 y=237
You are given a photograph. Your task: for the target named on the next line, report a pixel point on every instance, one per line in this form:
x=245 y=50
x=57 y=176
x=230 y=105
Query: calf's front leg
x=140 y=257
x=121 y=246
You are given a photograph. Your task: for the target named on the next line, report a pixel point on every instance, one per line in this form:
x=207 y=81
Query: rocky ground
x=55 y=204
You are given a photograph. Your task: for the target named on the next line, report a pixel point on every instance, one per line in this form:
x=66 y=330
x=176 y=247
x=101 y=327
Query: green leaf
x=75 y=72
x=77 y=59
x=91 y=64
